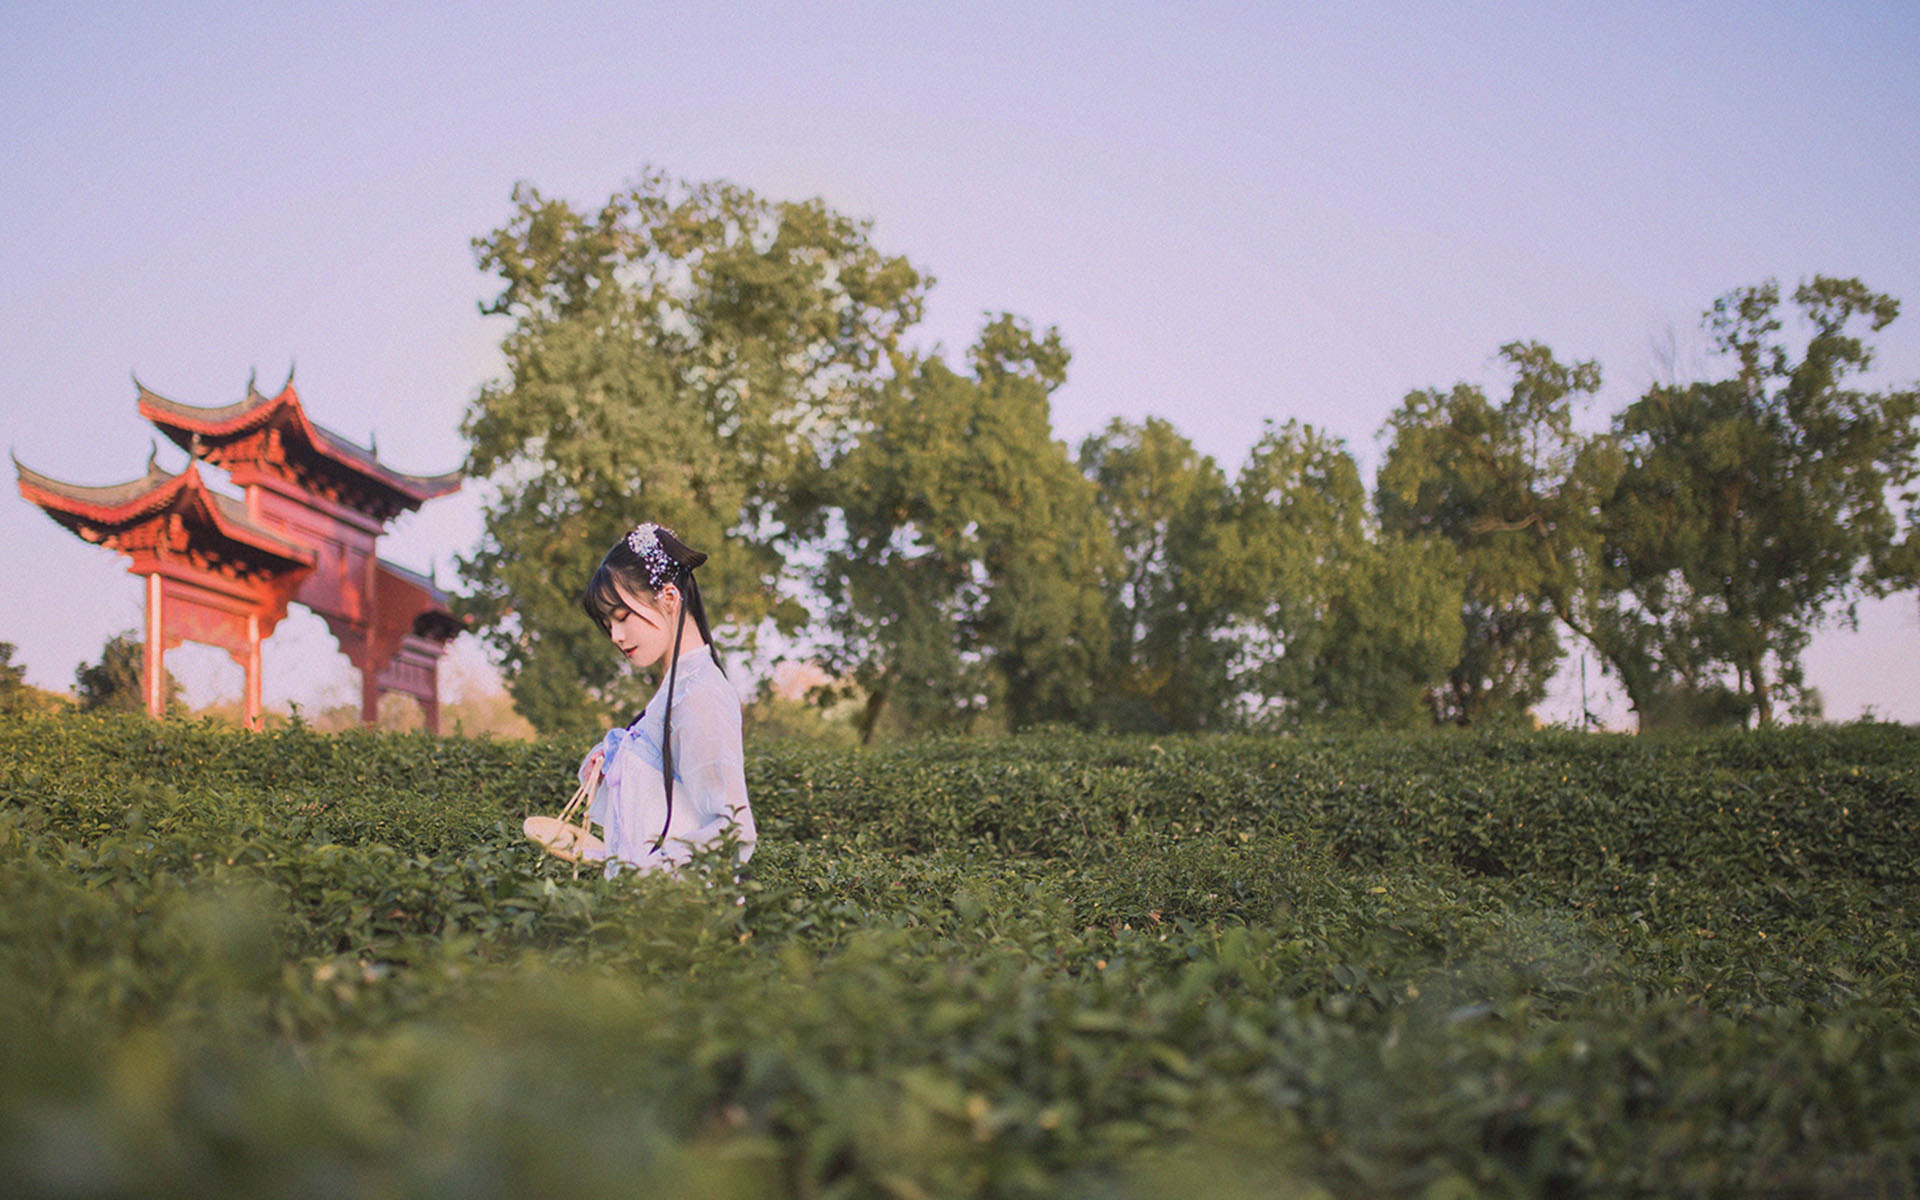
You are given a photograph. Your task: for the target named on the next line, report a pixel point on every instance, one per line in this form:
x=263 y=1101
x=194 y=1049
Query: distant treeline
x=738 y=368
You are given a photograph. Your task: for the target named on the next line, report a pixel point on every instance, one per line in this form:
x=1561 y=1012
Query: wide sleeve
x=709 y=765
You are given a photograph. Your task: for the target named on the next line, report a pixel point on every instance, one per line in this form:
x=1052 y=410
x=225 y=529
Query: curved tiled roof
x=194 y=428
x=112 y=496
x=117 y=507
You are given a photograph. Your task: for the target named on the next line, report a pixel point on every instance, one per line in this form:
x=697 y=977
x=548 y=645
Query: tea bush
x=1059 y=965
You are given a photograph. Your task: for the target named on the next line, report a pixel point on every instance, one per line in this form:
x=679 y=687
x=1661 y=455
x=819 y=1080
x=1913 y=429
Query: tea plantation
x=1548 y=964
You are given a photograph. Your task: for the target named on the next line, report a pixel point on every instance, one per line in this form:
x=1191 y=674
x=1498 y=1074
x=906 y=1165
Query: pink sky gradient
x=1234 y=212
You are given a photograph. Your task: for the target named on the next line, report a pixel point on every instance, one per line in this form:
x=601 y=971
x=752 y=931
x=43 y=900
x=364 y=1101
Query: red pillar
x=430 y=705
x=253 y=671
x=369 y=689
x=153 y=666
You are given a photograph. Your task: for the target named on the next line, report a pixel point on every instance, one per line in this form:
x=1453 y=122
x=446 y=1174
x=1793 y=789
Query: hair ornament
x=645 y=543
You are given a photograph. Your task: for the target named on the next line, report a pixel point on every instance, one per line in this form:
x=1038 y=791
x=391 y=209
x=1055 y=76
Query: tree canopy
x=1754 y=508
x=117 y=682
x=688 y=354
x=1335 y=623
x=742 y=370
x=14 y=692
x=1515 y=490
x=968 y=573
x=1164 y=504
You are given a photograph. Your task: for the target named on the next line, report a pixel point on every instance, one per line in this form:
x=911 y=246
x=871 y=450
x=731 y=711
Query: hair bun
x=662 y=554
x=683 y=555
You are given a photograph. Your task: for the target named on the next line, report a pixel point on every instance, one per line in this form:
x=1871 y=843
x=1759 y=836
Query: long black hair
x=650 y=558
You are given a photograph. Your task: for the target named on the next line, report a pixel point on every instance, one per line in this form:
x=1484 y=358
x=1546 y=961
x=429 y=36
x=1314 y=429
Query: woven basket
x=568 y=835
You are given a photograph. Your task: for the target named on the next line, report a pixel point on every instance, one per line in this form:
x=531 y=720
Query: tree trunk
x=870 y=715
x=1762 y=692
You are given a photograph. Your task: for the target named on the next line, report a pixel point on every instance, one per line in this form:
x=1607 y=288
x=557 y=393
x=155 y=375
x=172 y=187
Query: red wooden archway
x=221 y=570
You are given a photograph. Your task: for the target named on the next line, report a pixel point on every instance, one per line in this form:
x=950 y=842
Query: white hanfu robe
x=709 y=775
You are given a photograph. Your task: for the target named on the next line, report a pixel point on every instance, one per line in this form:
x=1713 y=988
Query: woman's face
x=642 y=629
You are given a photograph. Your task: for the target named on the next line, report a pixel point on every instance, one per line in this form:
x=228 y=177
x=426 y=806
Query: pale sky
x=1233 y=212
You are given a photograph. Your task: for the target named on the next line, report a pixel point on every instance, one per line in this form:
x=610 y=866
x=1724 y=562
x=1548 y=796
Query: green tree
x=1753 y=509
x=1007 y=348
x=1515 y=489
x=967 y=576
x=690 y=354
x=117 y=682
x=14 y=694
x=1336 y=623
x=1899 y=568
x=1163 y=502
x=1046 y=615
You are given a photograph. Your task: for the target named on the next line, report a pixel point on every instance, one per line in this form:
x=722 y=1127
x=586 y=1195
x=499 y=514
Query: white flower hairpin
x=644 y=541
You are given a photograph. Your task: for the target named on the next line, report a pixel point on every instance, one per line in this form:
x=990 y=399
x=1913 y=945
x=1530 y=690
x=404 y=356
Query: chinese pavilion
x=221 y=570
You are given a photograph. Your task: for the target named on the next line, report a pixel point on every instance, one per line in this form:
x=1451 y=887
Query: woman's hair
x=647 y=559
x=643 y=562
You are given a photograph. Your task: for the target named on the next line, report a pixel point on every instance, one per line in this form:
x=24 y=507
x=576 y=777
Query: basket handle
x=582 y=795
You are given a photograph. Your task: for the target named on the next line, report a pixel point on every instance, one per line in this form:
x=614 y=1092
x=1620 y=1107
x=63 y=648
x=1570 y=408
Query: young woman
x=673 y=781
